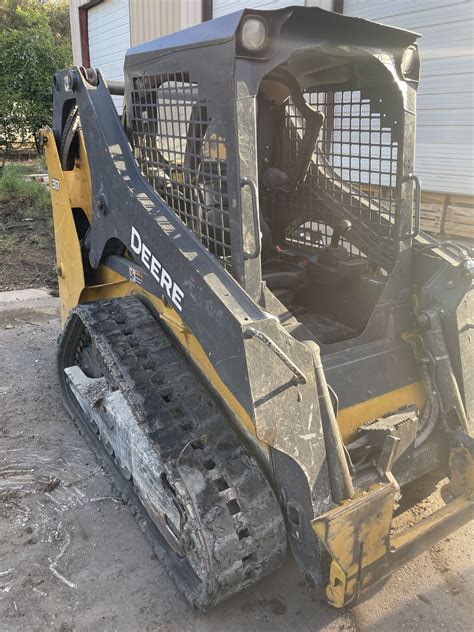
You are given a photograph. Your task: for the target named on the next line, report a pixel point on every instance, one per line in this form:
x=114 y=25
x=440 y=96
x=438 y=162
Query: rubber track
x=232 y=527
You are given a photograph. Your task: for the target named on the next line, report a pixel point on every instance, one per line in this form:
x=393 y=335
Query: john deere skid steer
x=259 y=342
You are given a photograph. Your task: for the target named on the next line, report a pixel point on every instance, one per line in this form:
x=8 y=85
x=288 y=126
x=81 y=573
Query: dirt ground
x=73 y=558
x=27 y=258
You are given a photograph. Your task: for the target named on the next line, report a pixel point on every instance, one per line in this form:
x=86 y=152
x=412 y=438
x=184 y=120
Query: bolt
x=450 y=284
x=448 y=496
x=101 y=204
x=70 y=81
x=423 y=320
x=90 y=75
x=45 y=140
x=58 y=270
x=469 y=267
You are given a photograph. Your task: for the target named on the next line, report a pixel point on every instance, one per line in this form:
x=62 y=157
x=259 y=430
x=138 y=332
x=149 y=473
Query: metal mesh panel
x=182 y=156
x=353 y=175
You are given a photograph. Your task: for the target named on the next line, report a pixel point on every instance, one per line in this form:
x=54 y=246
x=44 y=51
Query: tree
x=34 y=43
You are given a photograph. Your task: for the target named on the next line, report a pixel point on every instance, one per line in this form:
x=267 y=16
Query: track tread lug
x=240 y=534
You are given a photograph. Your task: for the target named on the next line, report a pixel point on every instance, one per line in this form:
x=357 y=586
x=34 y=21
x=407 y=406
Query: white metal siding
x=150 y=19
x=109 y=38
x=222 y=7
x=445 y=109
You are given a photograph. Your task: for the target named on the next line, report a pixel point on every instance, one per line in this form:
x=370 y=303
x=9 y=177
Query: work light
x=253 y=34
x=408 y=60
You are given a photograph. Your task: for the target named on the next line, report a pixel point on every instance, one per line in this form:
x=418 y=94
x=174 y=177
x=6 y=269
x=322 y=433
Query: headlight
x=253 y=34
x=408 y=60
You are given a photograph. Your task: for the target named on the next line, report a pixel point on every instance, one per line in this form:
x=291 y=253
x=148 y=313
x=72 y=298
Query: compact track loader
x=259 y=342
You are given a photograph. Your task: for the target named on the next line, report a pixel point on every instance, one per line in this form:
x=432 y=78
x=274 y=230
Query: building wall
x=222 y=7
x=150 y=19
x=74 y=6
x=445 y=129
x=445 y=108
x=109 y=39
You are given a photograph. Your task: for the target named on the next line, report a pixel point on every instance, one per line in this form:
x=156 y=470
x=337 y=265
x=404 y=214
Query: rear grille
x=182 y=156
x=353 y=174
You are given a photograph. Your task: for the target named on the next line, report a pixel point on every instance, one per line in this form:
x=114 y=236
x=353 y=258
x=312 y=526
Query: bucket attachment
x=357 y=533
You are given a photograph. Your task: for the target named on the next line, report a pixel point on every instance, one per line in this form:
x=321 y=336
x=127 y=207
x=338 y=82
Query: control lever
x=342 y=227
x=333 y=264
x=334 y=253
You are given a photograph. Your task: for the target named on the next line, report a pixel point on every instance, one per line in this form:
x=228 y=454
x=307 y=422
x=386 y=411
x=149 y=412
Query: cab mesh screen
x=182 y=156
x=353 y=175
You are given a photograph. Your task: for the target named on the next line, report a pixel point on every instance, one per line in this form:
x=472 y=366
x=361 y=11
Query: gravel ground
x=73 y=558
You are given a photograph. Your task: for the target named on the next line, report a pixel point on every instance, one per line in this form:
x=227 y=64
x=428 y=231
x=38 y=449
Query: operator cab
x=330 y=133
x=295 y=178
x=314 y=148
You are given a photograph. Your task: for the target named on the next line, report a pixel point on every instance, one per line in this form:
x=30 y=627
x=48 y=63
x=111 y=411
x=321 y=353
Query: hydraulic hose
x=430 y=414
x=433 y=338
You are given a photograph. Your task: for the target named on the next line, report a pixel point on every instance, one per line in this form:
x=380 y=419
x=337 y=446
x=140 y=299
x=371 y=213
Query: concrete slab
x=21 y=307
x=33 y=294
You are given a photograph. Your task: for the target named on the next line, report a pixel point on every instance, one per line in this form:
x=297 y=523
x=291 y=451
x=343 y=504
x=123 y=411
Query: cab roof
x=325 y=25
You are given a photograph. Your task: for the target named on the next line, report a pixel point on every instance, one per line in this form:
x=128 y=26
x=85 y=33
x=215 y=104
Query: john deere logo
x=151 y=263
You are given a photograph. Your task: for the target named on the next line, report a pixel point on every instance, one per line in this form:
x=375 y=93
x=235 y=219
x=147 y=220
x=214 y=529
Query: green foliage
x=7 y=243
x=34 y=43
x=30 y=198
